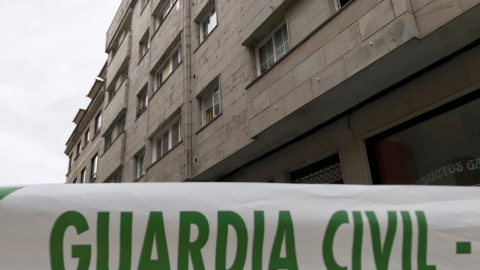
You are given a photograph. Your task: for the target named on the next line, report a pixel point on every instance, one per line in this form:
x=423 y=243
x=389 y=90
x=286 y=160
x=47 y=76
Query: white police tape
x=239 y=226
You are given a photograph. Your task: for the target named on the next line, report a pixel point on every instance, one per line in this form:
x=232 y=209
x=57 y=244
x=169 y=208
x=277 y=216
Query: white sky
x=50 y=53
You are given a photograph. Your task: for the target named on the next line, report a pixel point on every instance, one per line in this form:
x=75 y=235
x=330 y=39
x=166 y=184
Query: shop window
x=441 y=147
x=273 y=48
x=325 y=171
x=167 y=140
x=208 y=24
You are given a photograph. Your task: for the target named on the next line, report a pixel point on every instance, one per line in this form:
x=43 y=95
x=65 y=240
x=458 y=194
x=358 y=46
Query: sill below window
x=85 y=144
x=158 y=160
x=207 y=124
x=143 y=56
x=203 y=41
x=139 y=178
x=164 y=82
x=139 y=114
x=272 y=67
x=96 y=134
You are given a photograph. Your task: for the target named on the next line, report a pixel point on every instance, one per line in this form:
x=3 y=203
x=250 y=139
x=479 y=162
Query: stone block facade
x=199 y=106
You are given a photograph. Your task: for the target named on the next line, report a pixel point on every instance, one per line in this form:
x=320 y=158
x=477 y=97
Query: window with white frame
x=164 y=10
x=142 y=101
x=210 y=104
x=273 y=49
x=168 y=139
x=144 y=45
x=161 y=75
x=98 y=122
x=139 y=165
x=208 y=24
x=94 y=167
x=83 y=174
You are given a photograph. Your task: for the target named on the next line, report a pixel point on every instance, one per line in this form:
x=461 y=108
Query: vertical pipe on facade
x=187 y=119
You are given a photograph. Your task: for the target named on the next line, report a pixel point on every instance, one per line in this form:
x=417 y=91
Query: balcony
x=120 y=59
x=116 y=106
x=112 y=159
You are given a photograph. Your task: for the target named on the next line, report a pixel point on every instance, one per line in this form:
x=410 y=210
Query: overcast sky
x=50 y=53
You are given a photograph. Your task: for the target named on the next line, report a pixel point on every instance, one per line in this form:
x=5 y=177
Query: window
x=79 y=148
x=340 y=3
x=144 y=3
x=325 y=171
x=272 y=50
x=208 y=24
x=440 y=147
x=144 y=45
x=74 y=181
x=139 y=165
x=161 y=75
x=98 y=122
x=168 y=139
x=70 y=160
x=83 y=175
x=87 y=135
x=142 y=102
x=116 y=130
x=161 y=15
x=93 y=171
x=210 y=104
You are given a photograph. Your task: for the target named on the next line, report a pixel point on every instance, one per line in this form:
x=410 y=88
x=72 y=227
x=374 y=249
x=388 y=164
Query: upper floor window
x=116 y=130
x=273 y=49
x=94 y=167
x=340 y=3
x=142 y=101
x=87 y=135
x=70 y=161
x=83 y=175
x=168 y=139
x=144 y=3
x=208 y=24
x=210 y=103
x=164 y=10
x=164 y=72
x=79 y=148
x=139 y=165
x=98 y=122
x=144 y=45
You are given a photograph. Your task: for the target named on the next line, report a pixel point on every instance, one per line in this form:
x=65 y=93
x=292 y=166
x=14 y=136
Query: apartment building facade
x=305 y=91
x=84 y=145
